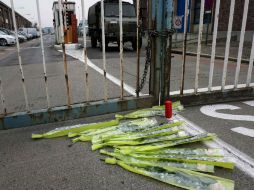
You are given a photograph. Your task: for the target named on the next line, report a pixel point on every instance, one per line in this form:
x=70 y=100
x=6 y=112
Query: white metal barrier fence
x=62 y=15
x=223 y=86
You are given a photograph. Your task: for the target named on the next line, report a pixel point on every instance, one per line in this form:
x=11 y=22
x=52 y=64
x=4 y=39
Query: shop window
x=207 y=13
x=1 y=16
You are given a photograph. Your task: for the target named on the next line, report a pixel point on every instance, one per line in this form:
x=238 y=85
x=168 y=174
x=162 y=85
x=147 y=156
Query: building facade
x=194 y=6
x=143 y=13
x=6 y=20
x=223 y=16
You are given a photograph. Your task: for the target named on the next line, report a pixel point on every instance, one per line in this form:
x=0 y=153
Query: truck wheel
x=134 y=44
x=106 y=46
x=93 y=42
x=3 y=42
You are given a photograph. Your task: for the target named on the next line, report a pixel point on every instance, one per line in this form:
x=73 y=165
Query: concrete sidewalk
x=220 y=48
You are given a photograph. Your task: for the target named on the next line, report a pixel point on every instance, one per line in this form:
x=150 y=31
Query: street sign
x=178 y=22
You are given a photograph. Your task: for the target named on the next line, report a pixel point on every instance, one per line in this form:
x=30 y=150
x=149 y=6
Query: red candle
x=168 y=109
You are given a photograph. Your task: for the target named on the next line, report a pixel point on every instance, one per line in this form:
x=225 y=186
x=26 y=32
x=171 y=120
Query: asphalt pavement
x=31 y=57
x=222 y=119
x=52 y=164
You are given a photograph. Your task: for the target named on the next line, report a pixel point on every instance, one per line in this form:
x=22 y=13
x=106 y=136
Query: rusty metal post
x=2 y=98
x=19 y=57
x=151 y=18
x=85 y=52
x=43 y=54
x=138 y=49
x=121 y=47
x=60 y=4
x=103 y=43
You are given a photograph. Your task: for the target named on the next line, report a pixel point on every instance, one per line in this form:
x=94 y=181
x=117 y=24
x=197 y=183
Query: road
x=34 y=78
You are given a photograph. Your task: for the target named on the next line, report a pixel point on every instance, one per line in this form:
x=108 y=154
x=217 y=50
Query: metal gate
x=158 y=59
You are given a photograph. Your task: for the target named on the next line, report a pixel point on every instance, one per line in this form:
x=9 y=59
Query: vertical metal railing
x=138 y=49
x=230 y=24
x=121 y=46
x=240 y=49
x=43 y=53
x=249 y=74
x=62 y=23
x=60 y=4
x=85 y=52
x=2 y=97
x=186 y=16
x=104 y=51
x=215 y=30
x=201 y=21
x=19 y=56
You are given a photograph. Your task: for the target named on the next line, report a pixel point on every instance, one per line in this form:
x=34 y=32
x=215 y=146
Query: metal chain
x=149 y=53
x=147 y=64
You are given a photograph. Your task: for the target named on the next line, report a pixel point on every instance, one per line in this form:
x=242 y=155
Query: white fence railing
x=213 y=50
x=62 y=16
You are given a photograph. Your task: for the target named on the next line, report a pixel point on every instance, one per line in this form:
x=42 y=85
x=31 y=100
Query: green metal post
x=161 y=20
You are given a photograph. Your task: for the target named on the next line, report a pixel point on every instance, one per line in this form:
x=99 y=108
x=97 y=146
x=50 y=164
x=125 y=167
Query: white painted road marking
x=244 y=162
x=80 y=56
x=249 y=103
x=244 y=131
x=211 y=110
x=77 y=55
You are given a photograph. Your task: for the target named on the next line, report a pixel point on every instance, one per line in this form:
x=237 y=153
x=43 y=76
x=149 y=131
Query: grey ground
x=222 y=127
x=51 y=164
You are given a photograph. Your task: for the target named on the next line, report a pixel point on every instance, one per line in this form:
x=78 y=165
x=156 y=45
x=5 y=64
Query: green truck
x=111 y=20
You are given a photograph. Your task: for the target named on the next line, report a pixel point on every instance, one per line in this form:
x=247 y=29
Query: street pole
x=161 y=17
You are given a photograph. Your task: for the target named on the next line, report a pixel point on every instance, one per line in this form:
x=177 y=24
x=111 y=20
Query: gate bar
x=43 y=54
x=230 y=24
x=201 y=19
x=19 y=56
x=121 y=45
x=215 y=30
x=64 y=53
x=138 y=50
x=104 y=51
x=64 y=113
x=250 y=64
x=186 y=16
x=240 y=49
x=2 y=98
x=85 y=52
